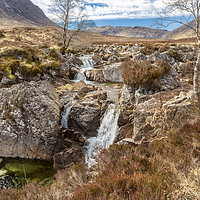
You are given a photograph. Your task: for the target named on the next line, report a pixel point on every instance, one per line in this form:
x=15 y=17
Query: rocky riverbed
x=57 y=111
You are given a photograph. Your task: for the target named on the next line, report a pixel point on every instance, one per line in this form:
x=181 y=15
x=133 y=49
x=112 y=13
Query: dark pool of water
x=16 y=173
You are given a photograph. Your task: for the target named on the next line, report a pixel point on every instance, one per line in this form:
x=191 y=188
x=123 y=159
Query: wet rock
x=68 y=157
x=74 y=69
x=86 y=113
x=30 y=116
x=75 y=60
x=75 y=136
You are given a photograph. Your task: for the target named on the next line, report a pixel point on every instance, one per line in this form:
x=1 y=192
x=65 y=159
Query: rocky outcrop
x=29 y=120
x=70 y=149
x=87 y=110
x=152 y=117
x=155 y=114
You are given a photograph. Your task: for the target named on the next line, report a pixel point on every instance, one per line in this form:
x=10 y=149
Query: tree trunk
x=64 y=41
x=196 y=75
x=68 y=42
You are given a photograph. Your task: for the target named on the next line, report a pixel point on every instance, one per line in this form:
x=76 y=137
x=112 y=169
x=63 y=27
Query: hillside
x=126 y=31
x=14 y=13
x=182 y=32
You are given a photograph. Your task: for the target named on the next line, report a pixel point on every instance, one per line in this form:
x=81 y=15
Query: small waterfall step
x=106 y=135
x=88 y=63
x=65 y=117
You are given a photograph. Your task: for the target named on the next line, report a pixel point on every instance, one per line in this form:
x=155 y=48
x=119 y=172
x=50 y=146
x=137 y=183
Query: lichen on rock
x=29 y=120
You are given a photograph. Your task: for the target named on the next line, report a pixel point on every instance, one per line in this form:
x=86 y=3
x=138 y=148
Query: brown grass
x=136 y=73
x=52 y=37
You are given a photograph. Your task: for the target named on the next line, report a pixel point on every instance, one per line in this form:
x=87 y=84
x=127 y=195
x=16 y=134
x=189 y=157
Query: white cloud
x=113 y=9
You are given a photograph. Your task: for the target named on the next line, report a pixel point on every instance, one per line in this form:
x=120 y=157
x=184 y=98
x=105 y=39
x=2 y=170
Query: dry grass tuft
x=136 y=73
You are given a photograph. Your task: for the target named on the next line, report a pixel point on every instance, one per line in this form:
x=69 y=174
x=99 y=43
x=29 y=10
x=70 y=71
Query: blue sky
x=117 y=12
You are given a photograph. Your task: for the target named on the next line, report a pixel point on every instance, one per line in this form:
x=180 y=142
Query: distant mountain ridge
x=127 y=31
x=22 y=12
x=182 y=32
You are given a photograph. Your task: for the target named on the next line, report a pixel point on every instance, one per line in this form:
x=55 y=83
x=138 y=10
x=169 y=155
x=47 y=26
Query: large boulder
x=87 y=110
x=113 y=73
x=29 y=120
x=156 y=114
x=94 y=75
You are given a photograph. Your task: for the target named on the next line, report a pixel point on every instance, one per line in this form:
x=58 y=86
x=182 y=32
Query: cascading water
x=65 y=117
x=87 y=64
x=106 y=135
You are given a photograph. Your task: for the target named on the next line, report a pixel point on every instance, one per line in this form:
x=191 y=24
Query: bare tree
x=71 y=16
x=188 y=15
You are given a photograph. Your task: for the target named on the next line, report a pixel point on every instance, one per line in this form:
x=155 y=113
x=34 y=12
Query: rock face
x=87 y=110
x=70 y=149
x=30 y=115
x=154 y=116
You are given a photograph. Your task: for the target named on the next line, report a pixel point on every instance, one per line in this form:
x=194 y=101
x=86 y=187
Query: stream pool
x=16 y=173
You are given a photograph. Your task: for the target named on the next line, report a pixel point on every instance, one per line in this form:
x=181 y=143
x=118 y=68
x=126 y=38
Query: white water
x=65 y=117
x=106 y=135
x=87 y=65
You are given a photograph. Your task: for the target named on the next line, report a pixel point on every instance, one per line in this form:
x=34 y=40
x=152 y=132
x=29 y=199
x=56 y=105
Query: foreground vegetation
x=164 y=168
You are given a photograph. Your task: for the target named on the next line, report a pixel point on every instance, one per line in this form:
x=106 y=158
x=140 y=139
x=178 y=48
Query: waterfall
x=106 y=135
x=87 y=64
x=65 y=117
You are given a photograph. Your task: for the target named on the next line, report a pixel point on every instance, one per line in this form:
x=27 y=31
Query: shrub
x=163 y=48
x=149 y=48
x=143 y=73
x=2 y=34
x=175 y=54
x=54 y=54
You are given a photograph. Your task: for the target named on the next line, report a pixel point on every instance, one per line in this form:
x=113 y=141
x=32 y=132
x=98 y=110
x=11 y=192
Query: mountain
x=126 y=31
x=22 y=13
x=182 y=32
